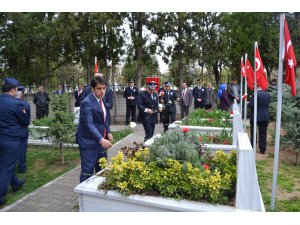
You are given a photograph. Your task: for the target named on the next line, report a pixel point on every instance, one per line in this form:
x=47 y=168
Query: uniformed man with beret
x=199 y=93
x=168 y=100
x=13 y=117
x=130 y=94
x=25 y=132
x=147 y=103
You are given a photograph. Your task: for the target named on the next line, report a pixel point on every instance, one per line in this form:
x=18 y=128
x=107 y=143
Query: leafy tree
x=62 y=128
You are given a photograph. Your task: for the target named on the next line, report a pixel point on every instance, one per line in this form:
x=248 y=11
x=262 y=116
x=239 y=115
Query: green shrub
x=45 y=121
x=212 y=118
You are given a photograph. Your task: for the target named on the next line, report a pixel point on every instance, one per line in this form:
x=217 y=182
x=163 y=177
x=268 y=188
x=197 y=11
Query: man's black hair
x=7 y=88
x=98 y=80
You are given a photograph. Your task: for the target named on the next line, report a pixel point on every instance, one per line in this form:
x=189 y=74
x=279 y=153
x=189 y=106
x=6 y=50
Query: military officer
x=25 y=132
x=130 y=94
x=168 y=100
x=199 y=93
x=13 y=117
x=147 y=103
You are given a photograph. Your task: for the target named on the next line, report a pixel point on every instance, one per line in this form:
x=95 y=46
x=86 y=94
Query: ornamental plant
x=167 y=170
x=212 y=118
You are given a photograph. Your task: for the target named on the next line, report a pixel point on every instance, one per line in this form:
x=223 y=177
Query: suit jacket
x=199 y=93
x=91 y=125
x=77 y=98
x=231 y=92
x=128 y=92
x=169 y=100
x=41 y=100
x=187 y=99
x=13 y=116
x=210 y=96
x=58 y=92
x=263 y=101
x=144 y=101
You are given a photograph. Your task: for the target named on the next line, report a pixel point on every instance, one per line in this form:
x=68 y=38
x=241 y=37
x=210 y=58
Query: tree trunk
x=61 y=150
x=114 y=92
x=216 y=73
x=139 y=67
x=46 y=84
x=88 y=80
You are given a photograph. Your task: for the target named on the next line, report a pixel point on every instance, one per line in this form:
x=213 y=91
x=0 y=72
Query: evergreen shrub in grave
x=176 y=166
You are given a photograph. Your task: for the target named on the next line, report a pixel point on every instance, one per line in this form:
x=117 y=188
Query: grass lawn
x=288 y=184
x=44 y=165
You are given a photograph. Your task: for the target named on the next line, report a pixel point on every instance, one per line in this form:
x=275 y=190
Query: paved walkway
x=58 y=195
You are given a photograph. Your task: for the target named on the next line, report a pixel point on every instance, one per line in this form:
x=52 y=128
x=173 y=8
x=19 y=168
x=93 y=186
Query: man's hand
x=110 y=137
x=105 y=143
x=150 y=111
x=199 y=100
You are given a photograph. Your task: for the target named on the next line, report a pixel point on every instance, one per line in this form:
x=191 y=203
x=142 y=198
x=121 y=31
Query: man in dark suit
x=199 y=93
x=263 y=101
x=59 y=90
x=24 y=133
x=108 y=97
x=12 y=118
x=93 y=133
x=185 y=99
x=147 y=103
x=130 y=94
x=77 y=95
x=233 y=91
x=41 y=100
x=168 y=100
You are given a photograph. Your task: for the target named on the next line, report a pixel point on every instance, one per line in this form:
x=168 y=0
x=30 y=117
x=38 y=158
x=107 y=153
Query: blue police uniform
x=169 y=113
x=146 y=101
x=91 y=129
x=24 y=137
x=199 y=92
x=12 y=118
x=130 y=103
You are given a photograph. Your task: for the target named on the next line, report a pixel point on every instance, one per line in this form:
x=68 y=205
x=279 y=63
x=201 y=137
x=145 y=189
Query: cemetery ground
x=288 y=180
x=44 y=165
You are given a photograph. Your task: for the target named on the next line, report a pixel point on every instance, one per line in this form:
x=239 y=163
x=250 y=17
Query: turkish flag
x=250 y=75
x=96 y=67
x=261 y=78
x=243 y=69
x=290 y=60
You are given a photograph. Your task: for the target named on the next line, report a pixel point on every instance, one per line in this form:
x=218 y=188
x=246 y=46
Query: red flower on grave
x=206 y=167
x=185 y=130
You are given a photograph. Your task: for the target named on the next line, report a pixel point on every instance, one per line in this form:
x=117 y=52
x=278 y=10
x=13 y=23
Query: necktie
x=104 y=115
x=79 y=92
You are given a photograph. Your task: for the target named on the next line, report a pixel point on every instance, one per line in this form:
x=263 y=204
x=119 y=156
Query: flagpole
x=245 y=105
x=278 y=114
x=255 y=104
x=241 y=86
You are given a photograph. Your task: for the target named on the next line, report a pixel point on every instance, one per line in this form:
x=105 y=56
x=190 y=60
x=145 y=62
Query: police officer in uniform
x=13 y=117
x=168 y=99
x=25 y=132
x=147 y=103
x=130 y=94
x=199 y=93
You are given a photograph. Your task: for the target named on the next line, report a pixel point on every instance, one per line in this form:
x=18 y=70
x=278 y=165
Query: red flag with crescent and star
x=290 y=60
x=243 y=69
x=96 y=67
x=261 y=78
x=250 y=75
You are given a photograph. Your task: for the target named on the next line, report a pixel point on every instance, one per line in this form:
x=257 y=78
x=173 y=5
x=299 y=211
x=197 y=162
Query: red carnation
x=185 y=130
x=206 y=167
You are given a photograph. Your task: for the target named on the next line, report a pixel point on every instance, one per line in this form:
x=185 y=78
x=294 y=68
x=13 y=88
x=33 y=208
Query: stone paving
x=58 y=195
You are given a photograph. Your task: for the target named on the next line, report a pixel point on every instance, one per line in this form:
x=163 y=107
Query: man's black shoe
x=263 y=152
x=15 y=189
x=2 y=202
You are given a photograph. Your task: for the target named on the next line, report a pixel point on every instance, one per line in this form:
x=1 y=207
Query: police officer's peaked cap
x=151 y=84
x=131 y=81
x=21 y=88
x=168 y=84
x=11 y=81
